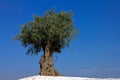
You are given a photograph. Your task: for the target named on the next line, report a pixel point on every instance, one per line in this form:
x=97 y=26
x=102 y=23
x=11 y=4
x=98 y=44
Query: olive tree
x=49 y=33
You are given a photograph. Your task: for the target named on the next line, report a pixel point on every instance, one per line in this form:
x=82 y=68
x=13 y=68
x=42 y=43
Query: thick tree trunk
x=47 y=65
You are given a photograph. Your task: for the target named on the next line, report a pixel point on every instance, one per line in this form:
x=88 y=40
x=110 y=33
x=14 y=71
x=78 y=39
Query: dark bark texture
x=47 y=65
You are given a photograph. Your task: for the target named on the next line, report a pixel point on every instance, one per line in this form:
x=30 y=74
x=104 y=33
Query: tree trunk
x=47 y=65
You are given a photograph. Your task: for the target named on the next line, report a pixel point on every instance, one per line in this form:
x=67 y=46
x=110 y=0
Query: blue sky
x=96 y=52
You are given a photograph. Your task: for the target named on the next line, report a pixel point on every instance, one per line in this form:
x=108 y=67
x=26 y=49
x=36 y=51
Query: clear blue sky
x=96 y=52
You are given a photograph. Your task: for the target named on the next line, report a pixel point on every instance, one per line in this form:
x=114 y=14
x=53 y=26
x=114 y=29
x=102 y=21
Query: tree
x=49 y=33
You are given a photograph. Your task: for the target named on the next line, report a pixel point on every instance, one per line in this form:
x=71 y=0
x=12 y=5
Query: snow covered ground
x=65 y=78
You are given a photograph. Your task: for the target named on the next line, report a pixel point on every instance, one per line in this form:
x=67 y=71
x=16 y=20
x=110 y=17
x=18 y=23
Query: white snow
x=64 y=78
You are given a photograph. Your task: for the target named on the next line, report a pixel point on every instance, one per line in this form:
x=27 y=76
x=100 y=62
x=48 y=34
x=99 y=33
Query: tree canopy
x=55 y=29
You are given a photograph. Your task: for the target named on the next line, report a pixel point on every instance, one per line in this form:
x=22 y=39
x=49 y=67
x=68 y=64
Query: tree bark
x=47 y=65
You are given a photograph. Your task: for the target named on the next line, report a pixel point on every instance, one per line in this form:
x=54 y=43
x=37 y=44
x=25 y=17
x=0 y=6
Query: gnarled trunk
x=47 y=65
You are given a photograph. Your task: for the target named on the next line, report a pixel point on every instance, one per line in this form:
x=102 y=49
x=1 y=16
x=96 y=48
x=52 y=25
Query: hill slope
x=65 y=78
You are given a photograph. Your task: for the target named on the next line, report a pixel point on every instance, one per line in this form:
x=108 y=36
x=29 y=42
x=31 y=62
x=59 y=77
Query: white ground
x=65 y=78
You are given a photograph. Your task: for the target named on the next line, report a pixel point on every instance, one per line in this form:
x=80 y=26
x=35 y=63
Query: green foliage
x=57 y=29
